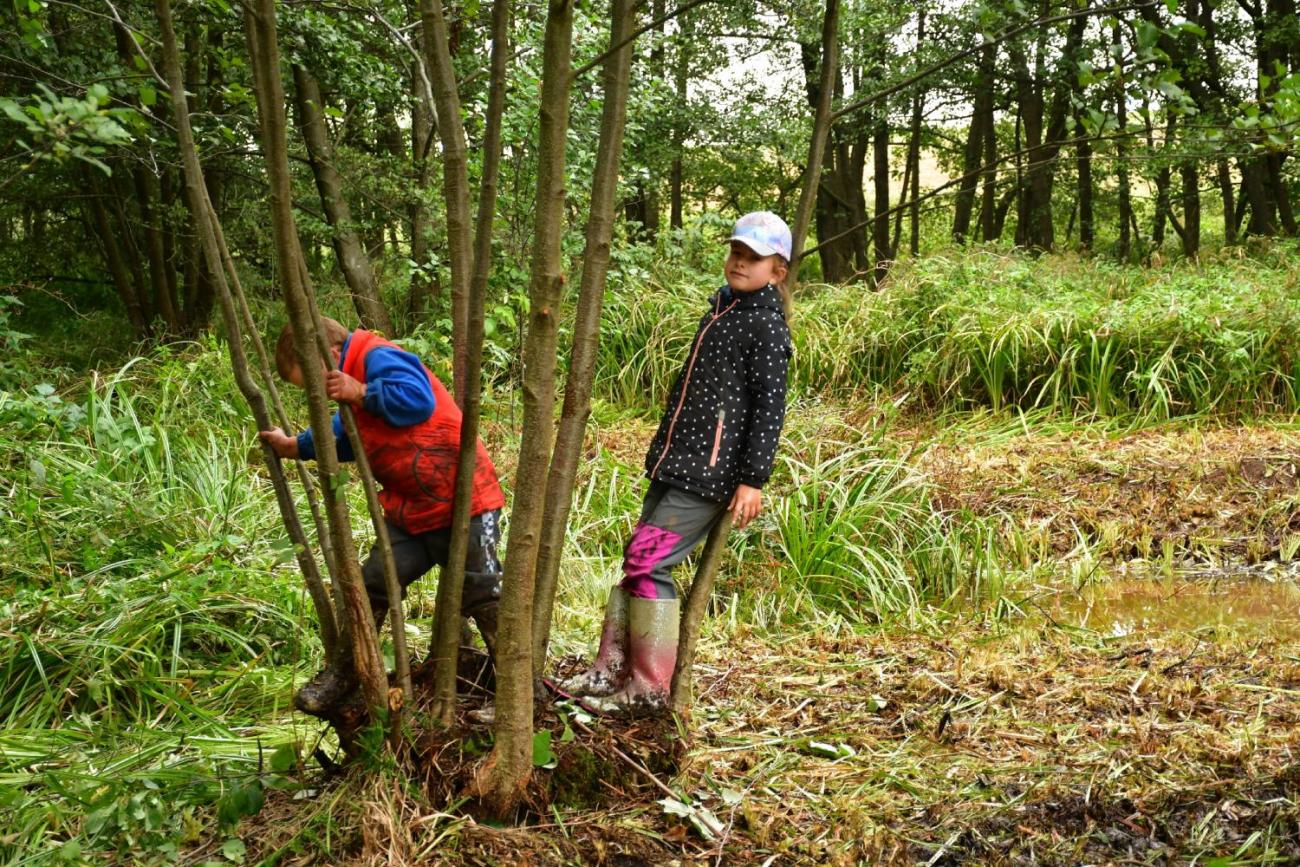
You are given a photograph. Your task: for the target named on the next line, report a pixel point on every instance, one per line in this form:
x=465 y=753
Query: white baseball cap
x=763 y=232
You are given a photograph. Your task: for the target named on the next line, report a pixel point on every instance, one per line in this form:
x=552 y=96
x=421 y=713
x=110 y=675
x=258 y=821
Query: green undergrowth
x=990 y=329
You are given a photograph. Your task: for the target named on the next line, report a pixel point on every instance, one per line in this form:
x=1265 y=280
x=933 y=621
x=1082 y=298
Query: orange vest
x=417 y=464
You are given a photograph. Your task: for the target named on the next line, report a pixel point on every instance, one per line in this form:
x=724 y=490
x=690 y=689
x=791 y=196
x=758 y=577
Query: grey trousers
x=672 y=523
x=416 y=555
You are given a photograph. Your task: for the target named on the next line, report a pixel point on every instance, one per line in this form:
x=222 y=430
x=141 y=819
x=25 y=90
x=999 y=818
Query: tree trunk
x=265 y=56
x=1121 y=151
x=830 y=61
x=681 y=76
x=117 y=269
x=586 y=328
x=146 y=194
x=216 y=258
x=1191 y=195
x=1083 y=164
x=455 y=182
x=914 y=149
x=990 y=224
x=964 y=204
x=446 y=636
x=351 y=254
x=501 y=779
x=884 y=253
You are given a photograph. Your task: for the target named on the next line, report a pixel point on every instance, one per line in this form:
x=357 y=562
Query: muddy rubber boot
x=652 y=629
x=609 y=669
x=323 y=692
x=335 y=682
x=479 y=600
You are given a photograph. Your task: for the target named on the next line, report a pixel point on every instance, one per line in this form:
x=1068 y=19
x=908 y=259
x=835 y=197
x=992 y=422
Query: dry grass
x=1204 y=493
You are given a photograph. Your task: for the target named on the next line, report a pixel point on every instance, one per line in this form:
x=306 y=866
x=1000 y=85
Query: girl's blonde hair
x=787 y=298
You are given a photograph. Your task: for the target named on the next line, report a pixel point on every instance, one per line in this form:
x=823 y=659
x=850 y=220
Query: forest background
x=1022 y=588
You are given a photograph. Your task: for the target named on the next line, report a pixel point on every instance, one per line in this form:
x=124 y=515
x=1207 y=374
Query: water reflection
x=1260 y=602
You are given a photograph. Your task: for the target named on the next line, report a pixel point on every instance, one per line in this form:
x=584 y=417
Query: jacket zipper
x=717 y=437
x=686 y=380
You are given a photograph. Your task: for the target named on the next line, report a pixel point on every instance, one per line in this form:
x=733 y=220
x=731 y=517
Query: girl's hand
x=281 y=443
x=746 y=503
x=343 y=388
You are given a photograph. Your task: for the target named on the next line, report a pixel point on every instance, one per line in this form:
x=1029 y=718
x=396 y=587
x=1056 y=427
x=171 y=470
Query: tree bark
x=264 y=51
x=1083 y=166
x=348 y=248
x=586 y=329
x=446 y=636
x=205 y=221
x=117 y=269
x=817 y=146
x=1121 y=151
x=990 y=225
x=884 y=253
x=501 y=779
x=914 y=149
x=455 y=183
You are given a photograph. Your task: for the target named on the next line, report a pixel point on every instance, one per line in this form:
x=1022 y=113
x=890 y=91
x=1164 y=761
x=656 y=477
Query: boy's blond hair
x=286 y=358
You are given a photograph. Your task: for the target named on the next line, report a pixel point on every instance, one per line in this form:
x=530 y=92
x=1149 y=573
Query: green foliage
x=153 y=628
x=64 y=128
x=1077 y=337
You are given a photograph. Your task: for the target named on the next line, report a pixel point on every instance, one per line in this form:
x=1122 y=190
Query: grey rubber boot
x=479 y=601
x=652 y=631
x=609 y=669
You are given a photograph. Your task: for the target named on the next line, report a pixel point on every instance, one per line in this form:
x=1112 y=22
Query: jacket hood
x=769 y=296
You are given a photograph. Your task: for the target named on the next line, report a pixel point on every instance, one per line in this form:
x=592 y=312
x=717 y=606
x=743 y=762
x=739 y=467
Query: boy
x=410 y=430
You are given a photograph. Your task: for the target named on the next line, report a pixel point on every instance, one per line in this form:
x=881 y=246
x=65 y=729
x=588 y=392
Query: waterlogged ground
x=1146 y=722
x=1133 y=721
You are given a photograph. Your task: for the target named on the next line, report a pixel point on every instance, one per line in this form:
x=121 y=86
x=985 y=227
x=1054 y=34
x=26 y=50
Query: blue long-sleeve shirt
x=397 y=390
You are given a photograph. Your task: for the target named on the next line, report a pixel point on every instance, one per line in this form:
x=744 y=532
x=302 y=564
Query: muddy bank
x=1225 y=494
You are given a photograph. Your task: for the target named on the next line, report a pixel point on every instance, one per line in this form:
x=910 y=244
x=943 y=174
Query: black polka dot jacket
x=724 y=414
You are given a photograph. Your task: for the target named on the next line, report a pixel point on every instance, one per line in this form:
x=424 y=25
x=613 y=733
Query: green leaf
x=830 y=751
x=148 y=94
x=234 y=849
x=339 y=479
x=542 y=755
x=284 y=758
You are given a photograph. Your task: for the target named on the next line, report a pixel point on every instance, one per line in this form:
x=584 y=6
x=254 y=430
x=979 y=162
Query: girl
x=713 y=453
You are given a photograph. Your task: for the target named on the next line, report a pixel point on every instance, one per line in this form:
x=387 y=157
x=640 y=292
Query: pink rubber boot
x=652 y=632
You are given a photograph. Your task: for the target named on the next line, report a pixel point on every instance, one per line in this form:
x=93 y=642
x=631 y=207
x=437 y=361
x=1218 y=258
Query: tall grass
x=1074 y=336
x=152 y=628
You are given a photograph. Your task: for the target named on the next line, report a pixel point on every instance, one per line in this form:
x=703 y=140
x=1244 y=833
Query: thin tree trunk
x=1083 y=163
x=1164 y=176
x=681 y=76
x=586 y=328
x=351 y=254
x=990 y=227
x=358 y=625
x=446 y=636
x=146 y=191
x=455 y=182
x=126 y=288
x=213 y=250
x=1121 y=151
x=501 y=779
x=914 y=150
x=697 y=603
x=884 y=253
x=1191 y=235
x=817 y=146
